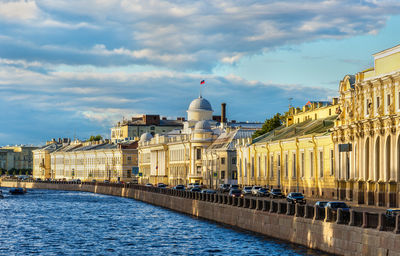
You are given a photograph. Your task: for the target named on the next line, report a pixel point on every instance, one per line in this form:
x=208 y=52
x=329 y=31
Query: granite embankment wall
x=315 y=228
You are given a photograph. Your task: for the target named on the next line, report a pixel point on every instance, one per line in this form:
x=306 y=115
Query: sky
x=72 y=68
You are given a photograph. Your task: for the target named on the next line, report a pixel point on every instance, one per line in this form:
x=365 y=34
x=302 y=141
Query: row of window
x=277 y=163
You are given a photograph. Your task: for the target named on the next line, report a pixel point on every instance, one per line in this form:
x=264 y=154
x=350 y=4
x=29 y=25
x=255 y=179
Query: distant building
x=94 y=160
x=99 y=160
x=134 y=128
x=16 y=157
x=182 y=156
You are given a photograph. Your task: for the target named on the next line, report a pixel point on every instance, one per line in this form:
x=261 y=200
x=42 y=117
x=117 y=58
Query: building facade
x=16 y=157
x=191 y=155
x=98 y=161
x=86 y=161
x=367 y=134
x=297 y=156
x=134 y=128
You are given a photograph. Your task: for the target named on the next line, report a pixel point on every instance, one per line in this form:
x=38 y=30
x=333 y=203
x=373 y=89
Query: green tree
x=95 y=138
x=20 y=172
x=270 y=124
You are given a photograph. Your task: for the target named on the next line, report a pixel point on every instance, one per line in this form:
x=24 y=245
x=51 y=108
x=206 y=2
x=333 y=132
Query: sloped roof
x=226 y=141
x=309 y=127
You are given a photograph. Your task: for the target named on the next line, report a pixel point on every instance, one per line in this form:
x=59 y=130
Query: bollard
x=252 y=203
x=289 y=208
x=229 y=200
x=340 y=217
x=215 y=198
x=308 y=212
x=225 y=199
x=365 y=220
x=397 y=226
x=279 y=208
x=240 y=202
x=259 y=204
x=297 y=210
x=352 y=221
x=328 y=215
x=381 y=222
x=316 y=212
x=246 y=203
x=271 y=206
x=235 y=201
x=265 y=205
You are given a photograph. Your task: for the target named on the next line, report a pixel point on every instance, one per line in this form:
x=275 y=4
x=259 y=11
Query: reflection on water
x=48 y=222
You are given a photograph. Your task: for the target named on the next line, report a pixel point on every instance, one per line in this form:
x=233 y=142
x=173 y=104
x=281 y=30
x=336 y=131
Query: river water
x=49 y=222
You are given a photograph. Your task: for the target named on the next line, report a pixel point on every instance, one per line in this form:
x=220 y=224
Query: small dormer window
x=378 y=102
x=388 y=99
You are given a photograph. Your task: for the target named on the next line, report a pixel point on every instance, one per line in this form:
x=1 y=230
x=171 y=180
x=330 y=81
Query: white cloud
x=186 y=35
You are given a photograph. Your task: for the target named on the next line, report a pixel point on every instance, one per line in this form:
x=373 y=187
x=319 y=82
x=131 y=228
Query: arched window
x=377 y=158
x=388 y=157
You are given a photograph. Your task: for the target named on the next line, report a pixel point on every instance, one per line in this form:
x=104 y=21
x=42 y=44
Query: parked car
x=192 y=185
x=321 y=204
x=276 y=193
x=208 y=191
x=149 y=185
x=246 y=190
x=296 y=198
x=391 y=213
x=195 y=189
x=254 y=190
x=179 y=187
x=262 y=192
x=334 y=206
x=233 y=186
x=161 y=185
x=224 y=188
x=93 y=181
x=106 y=181
x=235 y=193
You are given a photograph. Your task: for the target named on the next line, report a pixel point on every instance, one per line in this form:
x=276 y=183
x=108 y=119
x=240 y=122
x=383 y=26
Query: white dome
x=200 y=104
x=202 y=126
x=146 y=137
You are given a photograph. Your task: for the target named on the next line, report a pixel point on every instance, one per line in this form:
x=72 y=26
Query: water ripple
x=47 y=222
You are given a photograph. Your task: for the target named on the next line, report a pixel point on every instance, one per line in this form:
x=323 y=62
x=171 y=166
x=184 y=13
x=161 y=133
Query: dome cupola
x=200 y=109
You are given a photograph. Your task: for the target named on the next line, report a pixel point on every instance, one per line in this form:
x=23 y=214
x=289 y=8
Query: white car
x=254 y=190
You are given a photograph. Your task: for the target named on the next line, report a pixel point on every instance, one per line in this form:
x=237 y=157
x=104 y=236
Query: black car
x=276 y=193
x=321 y=204
x=161 y=185
x=334 y=206
x=296 y=198
x=262 y=192
x=179 y=187
x=233 y=186
x=208 y=191
x=195 y=189
x=235 y=193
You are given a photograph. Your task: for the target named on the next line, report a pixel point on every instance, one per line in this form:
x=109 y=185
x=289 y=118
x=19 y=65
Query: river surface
x=50 y=222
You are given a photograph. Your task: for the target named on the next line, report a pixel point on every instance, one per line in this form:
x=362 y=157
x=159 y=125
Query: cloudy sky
x=76 y=67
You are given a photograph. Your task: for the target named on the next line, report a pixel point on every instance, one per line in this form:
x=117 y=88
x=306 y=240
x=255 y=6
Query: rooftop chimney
x=223 y=112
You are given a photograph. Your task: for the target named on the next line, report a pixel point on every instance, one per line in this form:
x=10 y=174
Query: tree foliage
x=270 y=124
x=95 y=138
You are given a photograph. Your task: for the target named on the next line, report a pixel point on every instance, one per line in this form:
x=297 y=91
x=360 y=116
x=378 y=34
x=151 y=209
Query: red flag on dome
x=202 y=82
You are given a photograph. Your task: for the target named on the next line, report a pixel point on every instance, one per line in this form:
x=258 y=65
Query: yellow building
x=297 y=156
x=23 y=157
x=136 y=126
x=176 y=158
x=42 y=160
x=94 y=161
x=366 y=135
